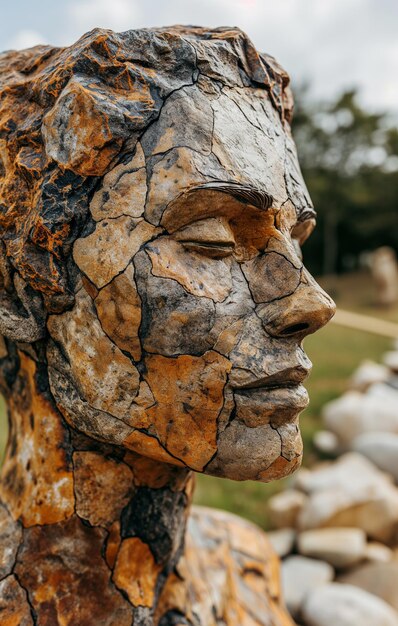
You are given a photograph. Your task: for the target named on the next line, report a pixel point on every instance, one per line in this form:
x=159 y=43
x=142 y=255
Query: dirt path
x=366 y=323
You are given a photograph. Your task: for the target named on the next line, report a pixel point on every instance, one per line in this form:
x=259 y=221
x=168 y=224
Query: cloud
x=332 y=44
x=25 y=38
x=118 y=15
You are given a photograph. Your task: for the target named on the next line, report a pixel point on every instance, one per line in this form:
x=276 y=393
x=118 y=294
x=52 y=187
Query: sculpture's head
x=152 y=213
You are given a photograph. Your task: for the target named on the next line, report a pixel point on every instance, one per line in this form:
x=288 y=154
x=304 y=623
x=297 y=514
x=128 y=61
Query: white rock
x=342 y=416
x=356 y=413
x=391 y=360
x=299 y=576
x=368 y=373
x=345 y=605
x=350 y=492
x=327 y=442
x=341 y=547
x=282 y=540
x=284 y=508
x=381 y=579
x=334 y=474
x=381 y=449
x=378 y=552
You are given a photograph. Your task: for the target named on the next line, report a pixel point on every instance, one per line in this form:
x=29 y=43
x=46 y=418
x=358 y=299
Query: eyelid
x=213 y=250
x=211 y=232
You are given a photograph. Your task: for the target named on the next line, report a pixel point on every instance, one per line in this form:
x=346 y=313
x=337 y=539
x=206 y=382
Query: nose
x=299 y=314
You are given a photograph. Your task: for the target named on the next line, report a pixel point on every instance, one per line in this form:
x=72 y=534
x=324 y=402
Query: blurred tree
x=349 y=159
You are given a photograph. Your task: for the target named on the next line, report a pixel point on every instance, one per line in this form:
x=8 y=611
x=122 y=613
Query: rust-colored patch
x=37 y=480
x=89 y=287
x=113 y=545
x=136 y=572
x=102 y=487
x=189 y=394
x=68 y=580
x=151 y=473
x=141 y=443
x=89 y=139
x=3 y=348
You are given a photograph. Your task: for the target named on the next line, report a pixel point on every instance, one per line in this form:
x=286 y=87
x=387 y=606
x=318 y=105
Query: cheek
x=173 y=321
x=198 y=275
x=276 y=273
x=182 y=314
x=105 y=377
x=188 y=394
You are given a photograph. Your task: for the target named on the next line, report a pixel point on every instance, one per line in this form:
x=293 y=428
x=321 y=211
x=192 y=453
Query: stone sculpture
x=384 y=269
x=153 y=307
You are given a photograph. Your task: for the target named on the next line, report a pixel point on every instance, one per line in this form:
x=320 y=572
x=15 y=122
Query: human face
x=185 y=342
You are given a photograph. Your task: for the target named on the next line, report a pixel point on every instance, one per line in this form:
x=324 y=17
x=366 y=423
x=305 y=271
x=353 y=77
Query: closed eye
x=212 y=237
x=212 y=249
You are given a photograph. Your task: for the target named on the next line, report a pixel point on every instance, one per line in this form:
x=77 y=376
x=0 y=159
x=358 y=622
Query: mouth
x=277 y=399
x=289 y=378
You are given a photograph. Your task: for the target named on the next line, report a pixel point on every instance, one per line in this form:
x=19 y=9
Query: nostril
x=294 y=328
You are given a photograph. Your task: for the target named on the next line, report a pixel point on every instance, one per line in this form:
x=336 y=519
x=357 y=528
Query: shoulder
x=229 y=574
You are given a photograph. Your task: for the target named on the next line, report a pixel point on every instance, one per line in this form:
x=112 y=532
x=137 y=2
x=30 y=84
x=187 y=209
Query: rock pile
x=336 y=528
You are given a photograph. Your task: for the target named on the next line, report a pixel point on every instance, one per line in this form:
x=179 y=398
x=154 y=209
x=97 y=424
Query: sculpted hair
x=67 y=115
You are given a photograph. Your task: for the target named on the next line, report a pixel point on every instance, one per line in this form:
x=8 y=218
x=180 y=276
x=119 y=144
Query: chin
x=263 y=453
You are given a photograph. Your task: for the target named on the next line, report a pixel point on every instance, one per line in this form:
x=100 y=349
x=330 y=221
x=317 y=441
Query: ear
x=89 y=122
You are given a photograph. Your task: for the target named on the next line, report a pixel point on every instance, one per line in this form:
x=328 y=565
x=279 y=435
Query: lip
x=288 y=378
x=277 y=406
x=277 y=400
x=289 y=395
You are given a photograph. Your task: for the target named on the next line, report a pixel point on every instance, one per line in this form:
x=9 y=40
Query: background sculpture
x=153 y=307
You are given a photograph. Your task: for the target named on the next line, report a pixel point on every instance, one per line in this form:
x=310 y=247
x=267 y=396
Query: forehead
x=206 y=134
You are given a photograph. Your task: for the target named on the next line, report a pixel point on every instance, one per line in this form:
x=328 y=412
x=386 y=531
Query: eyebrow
x=249 y=195
x=254 y=196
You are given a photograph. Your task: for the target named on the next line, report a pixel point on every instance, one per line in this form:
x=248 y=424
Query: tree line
x=349 y=159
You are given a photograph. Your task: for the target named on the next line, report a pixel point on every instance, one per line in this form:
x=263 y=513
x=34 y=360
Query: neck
x=84 y=519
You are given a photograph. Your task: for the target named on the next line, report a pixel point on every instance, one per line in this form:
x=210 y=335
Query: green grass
x=335 y=352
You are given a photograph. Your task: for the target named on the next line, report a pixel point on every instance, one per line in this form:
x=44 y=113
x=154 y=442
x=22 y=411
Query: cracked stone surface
x=153 y=304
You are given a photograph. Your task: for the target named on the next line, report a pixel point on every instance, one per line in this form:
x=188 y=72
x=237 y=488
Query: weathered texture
x=103 y=487
x=136 y=572
x=227 y=575
x=187 y=404
x=153 y=304
x=67 y=585
x=37 y=479
x=108 y=384
x=10 y=538
x=119 y=312
x=14 y=606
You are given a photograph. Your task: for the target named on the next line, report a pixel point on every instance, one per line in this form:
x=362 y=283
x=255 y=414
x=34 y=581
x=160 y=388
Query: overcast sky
x=333 y=44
